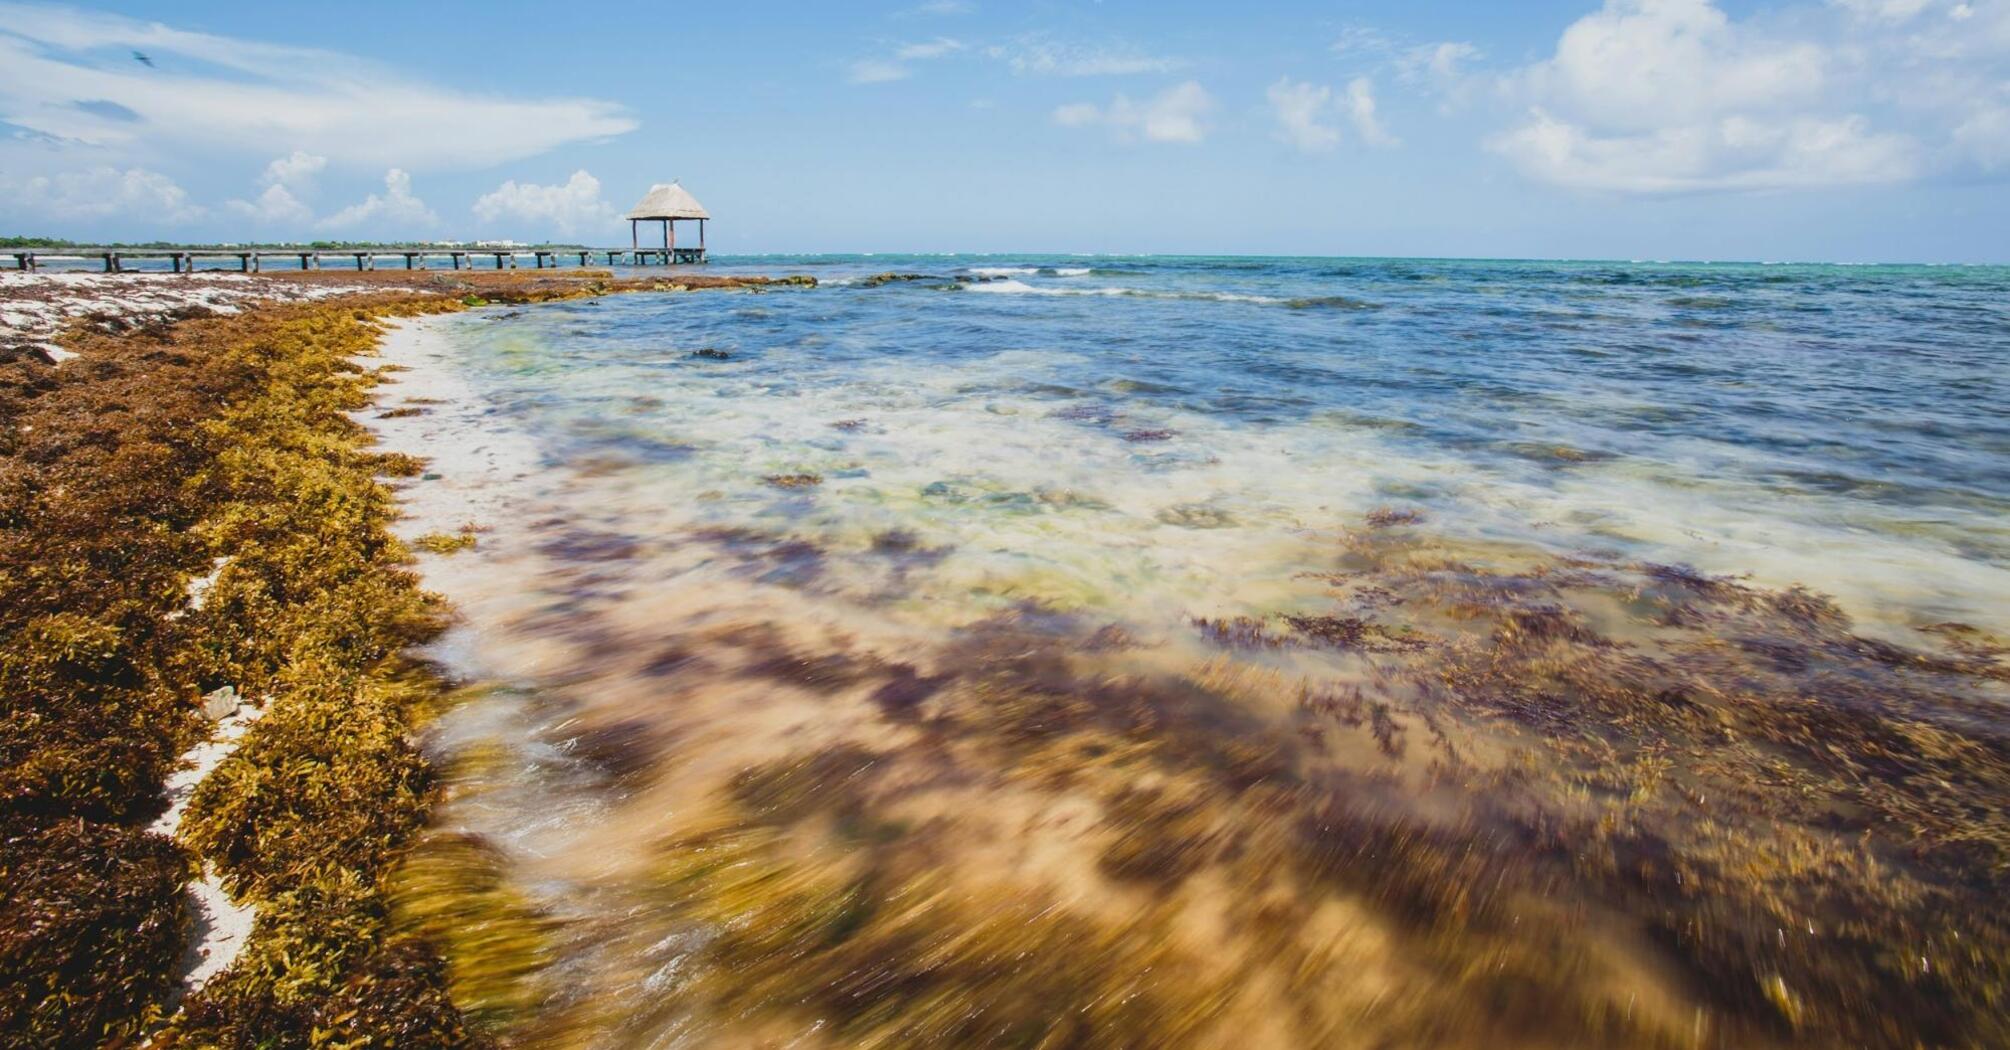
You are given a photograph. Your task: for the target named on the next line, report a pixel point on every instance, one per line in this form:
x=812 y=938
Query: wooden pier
x=415 y=257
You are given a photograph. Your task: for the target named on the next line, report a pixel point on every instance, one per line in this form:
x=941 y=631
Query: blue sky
x=1850 y=130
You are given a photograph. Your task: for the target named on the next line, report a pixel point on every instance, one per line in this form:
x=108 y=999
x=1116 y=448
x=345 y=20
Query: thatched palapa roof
x=667 y=200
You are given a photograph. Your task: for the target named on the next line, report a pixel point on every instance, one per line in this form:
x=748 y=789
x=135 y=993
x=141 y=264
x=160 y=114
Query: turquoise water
x=1836 y=426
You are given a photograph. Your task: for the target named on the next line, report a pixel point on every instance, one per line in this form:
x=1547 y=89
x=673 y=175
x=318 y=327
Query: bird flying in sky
x=143 y=60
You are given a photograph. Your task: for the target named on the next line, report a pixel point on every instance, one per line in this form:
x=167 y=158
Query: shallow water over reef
x=1225 y=652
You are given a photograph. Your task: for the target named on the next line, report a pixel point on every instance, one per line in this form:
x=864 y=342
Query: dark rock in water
x=713 y=354
x=1149 y=435
x=888 y=278
x=794 y=481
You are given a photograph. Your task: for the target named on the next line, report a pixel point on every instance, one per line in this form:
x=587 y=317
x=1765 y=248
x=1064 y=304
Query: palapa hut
x=666 y=202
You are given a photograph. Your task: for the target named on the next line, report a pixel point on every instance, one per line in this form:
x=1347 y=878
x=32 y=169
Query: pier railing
x=415 y=257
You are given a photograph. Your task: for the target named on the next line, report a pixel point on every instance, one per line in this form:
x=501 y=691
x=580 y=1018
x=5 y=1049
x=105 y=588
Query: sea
x=995 y=591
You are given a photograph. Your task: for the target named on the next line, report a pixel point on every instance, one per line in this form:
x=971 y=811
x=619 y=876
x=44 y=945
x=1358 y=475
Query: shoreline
x=228 y=413
x=1659 y=800
x=831 y=798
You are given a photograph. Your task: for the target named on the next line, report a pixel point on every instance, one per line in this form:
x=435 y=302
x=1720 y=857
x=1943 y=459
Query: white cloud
x=886 y=70
x=1300 y=109
x=1735 y=153
x=1439 y=67
x=397 y=211
x=276 y=205
x=284 y=179
x=296 y=169
x=1442 y=63
x=568 y=208
x=1304 y=112
x=1040 y=57
x=1659 y=96
x=104 y=192
x=1362 y=40
x=1177 y=114
x=1360 y=106
x=210 y=92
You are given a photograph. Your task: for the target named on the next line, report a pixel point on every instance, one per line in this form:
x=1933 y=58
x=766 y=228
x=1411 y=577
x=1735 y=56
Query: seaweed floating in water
x=1386 y=517
x=464 y=539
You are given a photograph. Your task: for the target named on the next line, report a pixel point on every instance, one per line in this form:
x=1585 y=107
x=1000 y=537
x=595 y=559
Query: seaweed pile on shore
x=160 y=451
x=143 y=461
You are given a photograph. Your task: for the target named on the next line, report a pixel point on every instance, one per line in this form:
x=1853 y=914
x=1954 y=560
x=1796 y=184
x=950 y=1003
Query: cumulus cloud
x=277 y=205
x=1305 y=114
x=296 y=169
x=1735 y=153
x=1658 y=96
x=566 y=208
x=102 y=192
x=397 y=211
x=284 y=179
x=1178 y=114
x=212 y=92
x=1301 y=110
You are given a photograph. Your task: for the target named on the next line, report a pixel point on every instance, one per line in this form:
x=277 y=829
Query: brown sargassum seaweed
x=123 y=474
x=1537 y=801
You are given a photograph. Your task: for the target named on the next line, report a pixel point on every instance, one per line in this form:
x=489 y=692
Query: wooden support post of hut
x=666 y=203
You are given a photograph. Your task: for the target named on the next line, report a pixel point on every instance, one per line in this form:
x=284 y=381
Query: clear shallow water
x=1834 y=426
x=1225 y=652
